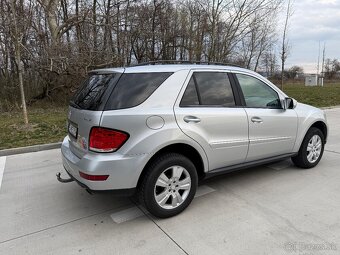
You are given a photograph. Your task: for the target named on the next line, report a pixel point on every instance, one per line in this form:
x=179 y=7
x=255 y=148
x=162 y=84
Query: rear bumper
x=117 y=192
x=123 y=170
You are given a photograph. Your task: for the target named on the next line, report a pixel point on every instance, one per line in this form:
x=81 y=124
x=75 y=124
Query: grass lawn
x=329 y=95
x=48 y=124
x=45 y=126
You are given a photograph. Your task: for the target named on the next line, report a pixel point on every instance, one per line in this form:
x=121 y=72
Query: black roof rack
x=162 y=62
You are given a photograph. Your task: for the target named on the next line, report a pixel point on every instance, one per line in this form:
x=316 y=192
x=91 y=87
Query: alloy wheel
x=314 y=148
x=172 y=187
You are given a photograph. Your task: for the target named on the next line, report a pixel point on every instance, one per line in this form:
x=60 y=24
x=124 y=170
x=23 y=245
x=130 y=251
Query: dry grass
x=46 y=126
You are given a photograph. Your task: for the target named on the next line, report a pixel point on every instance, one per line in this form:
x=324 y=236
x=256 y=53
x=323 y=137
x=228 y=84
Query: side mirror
x=288 y=103
x=294 y=103
x=283 y=104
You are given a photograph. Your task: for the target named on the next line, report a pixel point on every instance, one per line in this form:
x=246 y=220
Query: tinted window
x=257 y=94
x=190 y=95
x=133 y=89
x=214 y=88
x=90 y=94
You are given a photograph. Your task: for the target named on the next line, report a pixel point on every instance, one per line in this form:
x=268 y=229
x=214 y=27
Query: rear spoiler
x=107 y=71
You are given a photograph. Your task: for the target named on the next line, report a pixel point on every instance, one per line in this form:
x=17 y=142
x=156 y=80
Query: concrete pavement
x=273 y=209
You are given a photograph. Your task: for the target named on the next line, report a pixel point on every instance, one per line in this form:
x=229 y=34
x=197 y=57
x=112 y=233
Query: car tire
x=169 y=185
x=311 y=150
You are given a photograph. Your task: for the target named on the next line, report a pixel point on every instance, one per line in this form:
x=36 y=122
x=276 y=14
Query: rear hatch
x=86 y=108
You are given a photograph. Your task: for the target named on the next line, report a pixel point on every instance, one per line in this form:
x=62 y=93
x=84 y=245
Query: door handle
x=193 y=119
x=256 y=120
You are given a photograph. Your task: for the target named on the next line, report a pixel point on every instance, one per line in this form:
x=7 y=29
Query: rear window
x=133 y=89
x=90 y=95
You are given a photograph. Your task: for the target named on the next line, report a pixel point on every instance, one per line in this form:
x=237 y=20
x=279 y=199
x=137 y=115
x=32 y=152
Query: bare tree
x=294 y=71
x=270 y=62
x=64 y=39
x=17 y=15
x=331 y=68
x=285 y=42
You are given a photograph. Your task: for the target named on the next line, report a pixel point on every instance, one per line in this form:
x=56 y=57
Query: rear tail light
x=93 y=177
x=106 y=140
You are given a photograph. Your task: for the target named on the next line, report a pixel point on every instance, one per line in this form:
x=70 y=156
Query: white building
x=311 y=80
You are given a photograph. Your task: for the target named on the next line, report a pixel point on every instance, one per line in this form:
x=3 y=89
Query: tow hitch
x=62 y=179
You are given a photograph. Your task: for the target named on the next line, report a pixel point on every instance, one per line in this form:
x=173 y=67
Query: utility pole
x=323 y=59
x=318 y=65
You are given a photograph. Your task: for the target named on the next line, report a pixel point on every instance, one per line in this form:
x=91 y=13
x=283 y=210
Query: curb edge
x=33 y=148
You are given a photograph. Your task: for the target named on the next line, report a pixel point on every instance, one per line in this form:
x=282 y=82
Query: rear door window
x=133 y=89
x=209 y=89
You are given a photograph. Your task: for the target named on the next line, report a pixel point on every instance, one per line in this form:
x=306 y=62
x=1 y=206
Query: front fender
x=307 y=117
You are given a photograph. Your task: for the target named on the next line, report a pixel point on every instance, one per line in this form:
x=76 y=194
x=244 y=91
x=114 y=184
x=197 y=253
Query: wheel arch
x=302 y=159
x=322 y=126
x=181 y=148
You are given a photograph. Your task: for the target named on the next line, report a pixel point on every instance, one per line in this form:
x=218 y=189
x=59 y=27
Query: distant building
x=311 y=80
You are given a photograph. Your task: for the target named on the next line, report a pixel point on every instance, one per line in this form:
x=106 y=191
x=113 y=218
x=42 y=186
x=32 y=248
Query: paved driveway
x=273 y=209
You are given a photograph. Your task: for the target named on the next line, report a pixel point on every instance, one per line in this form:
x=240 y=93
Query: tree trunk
x=284 y=42
x=94 y=20
x=17 y=48
x=50 y=12
x=21 y=85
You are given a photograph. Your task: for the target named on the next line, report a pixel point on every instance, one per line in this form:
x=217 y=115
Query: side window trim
x=238 y=95
x=239 y=90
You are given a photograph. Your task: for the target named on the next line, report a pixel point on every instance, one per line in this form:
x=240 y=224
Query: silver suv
x=156 y=130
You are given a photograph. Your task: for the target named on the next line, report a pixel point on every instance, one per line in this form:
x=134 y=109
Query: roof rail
x=162 y=62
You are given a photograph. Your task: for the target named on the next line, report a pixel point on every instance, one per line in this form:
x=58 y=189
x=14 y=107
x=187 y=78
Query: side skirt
x=242 y=166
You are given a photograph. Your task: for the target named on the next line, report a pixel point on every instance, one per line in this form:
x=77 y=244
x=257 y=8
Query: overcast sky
x=313 y=21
